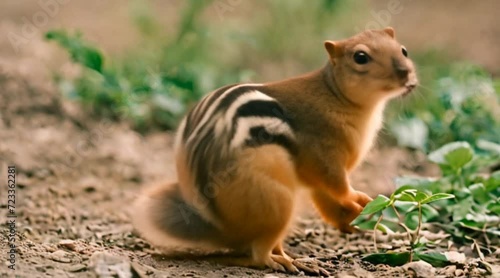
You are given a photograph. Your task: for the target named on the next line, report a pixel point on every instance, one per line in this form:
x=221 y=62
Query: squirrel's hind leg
x=258 y=204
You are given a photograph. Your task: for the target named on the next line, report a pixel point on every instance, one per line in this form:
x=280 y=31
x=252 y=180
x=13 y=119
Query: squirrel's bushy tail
x=165 y=219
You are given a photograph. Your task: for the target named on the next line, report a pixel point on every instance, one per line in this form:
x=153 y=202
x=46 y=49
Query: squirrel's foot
x=362 y=199
x=350 y=208
x=311 y=267
x=284 y=264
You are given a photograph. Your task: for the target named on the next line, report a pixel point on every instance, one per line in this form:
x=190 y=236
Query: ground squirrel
x=244 y=150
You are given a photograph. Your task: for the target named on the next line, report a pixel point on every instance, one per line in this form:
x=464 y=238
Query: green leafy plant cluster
x=150 y=87
x=154 y=85
x=457 y=102
x=463 y=203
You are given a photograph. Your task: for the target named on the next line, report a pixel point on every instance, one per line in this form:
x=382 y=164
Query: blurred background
x=146 y=62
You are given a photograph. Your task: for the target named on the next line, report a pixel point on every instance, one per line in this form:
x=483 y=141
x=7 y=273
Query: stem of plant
x=419 y=222
x=461 y=180
x=402 y=225
x=396 y=211
x=417 y=236
x=375 y=233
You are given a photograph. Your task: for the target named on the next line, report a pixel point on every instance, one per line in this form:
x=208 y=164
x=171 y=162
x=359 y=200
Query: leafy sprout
x=460 y=202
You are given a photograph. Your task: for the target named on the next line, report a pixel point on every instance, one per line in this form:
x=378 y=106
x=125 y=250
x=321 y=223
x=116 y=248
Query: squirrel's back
x=222 y=124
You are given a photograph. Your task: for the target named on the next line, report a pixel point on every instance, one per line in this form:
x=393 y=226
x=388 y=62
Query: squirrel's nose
x=400 y=68
x=402 y=72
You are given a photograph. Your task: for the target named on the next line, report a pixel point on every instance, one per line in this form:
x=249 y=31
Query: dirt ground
x=77 y=175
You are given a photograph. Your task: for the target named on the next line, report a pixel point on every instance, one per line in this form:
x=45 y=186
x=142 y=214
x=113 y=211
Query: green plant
x=152 y=86
x=457 y=102
x=463 y=203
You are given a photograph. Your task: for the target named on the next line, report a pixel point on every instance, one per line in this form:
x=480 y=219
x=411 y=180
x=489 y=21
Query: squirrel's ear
x=333 y=49
x=390 y=31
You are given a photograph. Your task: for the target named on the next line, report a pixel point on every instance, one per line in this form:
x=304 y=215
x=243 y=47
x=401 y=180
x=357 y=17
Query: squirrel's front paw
x=342 y=210
x=361 y=198
x=350 y=208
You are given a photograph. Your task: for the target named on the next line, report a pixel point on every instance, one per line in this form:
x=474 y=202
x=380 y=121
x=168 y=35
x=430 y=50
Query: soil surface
x=76 y=177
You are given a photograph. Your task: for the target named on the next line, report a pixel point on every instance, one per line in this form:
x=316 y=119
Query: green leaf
x=364 y=224
x=488 y=146
x=434 y=258
x=462 y=208
x=411 y=220
x=401 y=189
x=429 y=213
x=378 y=204
x=364 y=221
x=494 y=206
x=479 y=193
x=476 y=219
x=78 y=49
x=404 y=206
x=436 y=197
x=493 y=182
x=408 y=195
x=392 y=259
x=419 y=196
x=455 y=154
x=384 y=228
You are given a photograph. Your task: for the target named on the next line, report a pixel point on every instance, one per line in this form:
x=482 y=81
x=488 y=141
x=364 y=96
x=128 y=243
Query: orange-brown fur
x=339 y=113
x=336 y=112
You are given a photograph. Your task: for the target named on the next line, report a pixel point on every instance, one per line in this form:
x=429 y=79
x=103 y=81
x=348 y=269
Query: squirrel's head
x=371 y=66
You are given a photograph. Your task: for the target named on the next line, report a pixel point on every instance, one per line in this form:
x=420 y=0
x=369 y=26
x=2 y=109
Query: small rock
x=41 y=173
x=48 y=247
x=60 y=256
x=141 y=271
x=455 y=257
x=76 y=268
x=420 y=269
x=105 y=264
x=28 y=230
x=68 y=243
x=344 y=275
x=384 y=246
x=353 y=248
x=450 y=270
x=459 y=272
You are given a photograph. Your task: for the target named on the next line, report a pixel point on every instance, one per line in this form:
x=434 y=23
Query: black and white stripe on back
x=229 y=115
x=227 y=120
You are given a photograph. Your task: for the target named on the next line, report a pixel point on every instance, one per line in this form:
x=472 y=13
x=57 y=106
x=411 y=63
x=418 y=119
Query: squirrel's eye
x=360 y=57
x=405 y=52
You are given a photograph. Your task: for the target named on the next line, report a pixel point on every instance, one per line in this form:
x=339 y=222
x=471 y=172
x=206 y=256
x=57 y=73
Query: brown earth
x=77 y=175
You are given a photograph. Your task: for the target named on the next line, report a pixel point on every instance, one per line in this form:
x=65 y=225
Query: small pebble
x=420 y=269
x=77 y=268
x=68 y=243
x=450 y=270
x=60 y=256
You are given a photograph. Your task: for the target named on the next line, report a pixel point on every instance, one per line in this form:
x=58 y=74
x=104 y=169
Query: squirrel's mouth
x=409 y=88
